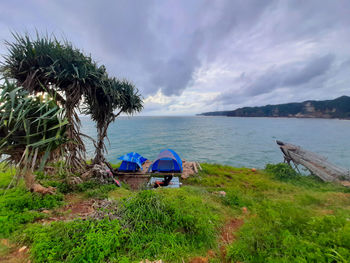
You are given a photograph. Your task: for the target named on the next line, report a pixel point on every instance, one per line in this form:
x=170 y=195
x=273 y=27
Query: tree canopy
x=76 y=82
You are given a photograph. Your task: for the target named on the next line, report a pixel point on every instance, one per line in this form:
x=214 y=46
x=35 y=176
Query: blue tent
x=167 y=161
x=131 y=162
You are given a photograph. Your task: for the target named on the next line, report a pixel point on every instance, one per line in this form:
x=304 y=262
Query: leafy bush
x=168 y=223
x=153 y=224
x=281 y=171
x=76 y=241
x=19 y=206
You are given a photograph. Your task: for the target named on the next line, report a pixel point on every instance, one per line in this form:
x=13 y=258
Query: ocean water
x=248 y=142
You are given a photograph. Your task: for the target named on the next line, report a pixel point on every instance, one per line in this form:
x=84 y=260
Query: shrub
x=19 y=206
x=281 y=171
x=153 y=224
x=76 y=241
x=168 y=224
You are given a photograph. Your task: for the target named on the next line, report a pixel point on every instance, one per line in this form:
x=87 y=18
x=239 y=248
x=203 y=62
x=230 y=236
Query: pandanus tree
x=75 y=81
x=64 y=72
x=32 y=130
x=111 y=99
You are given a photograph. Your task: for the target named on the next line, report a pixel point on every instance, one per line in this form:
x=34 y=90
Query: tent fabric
x=167 y=161
x=131 y=161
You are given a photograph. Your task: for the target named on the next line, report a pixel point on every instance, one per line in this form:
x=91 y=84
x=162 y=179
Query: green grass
x=168 y=224
x=18 y=206
x=75 y=241
x=287 y=218
x=293 y=218
x=6 y=176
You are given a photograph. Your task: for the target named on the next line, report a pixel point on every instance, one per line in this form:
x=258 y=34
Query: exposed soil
x=76 y=208
x=228 y=235
x=228 y=232
x=200 y=260
x=15 y=255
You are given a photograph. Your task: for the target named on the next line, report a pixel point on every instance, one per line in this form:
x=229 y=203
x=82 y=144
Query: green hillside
x=337 y=108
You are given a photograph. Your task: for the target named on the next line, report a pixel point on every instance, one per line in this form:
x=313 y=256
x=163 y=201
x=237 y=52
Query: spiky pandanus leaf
x=45 y=64
x=32 y=128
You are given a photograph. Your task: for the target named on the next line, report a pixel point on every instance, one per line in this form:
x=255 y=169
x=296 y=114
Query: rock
x=221 y=193
x=22 y=249
x=345 y=183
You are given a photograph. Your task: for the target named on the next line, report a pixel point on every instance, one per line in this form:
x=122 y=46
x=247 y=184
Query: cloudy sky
x=188 y=57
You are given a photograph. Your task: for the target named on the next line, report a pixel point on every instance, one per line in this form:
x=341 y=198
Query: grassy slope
x=286 y=219
x=296 y=219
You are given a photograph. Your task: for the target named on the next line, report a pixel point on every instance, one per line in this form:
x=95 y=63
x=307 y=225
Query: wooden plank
x=195 y=167
x=316 y=164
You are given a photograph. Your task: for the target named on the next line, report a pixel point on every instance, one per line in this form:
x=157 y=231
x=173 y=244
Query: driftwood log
x=316 y=164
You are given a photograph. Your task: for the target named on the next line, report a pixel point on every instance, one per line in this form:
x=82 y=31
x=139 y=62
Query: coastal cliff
x=337 y=108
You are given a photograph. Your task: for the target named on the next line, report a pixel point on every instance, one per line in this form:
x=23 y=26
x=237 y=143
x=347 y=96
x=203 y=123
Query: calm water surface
x=239 y=142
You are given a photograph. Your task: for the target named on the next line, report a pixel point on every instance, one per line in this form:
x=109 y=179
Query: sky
x=192 y=56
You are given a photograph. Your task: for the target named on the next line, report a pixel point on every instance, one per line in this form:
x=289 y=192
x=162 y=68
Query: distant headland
x=337 y=108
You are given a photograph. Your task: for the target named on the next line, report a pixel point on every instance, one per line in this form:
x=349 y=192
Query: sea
x=240 y=142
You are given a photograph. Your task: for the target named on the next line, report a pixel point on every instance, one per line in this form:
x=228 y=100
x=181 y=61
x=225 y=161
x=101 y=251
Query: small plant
x=152 y=224
x=101 y=192
x=281 y=171
x=76 y=241
x=18 y=206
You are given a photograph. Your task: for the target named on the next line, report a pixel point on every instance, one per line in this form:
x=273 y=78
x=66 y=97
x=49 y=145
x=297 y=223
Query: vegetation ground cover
x=283 y=217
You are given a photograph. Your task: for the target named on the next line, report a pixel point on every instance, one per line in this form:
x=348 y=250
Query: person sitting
x=165 y=182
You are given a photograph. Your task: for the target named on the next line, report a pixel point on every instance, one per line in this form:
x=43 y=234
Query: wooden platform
x=316 y=164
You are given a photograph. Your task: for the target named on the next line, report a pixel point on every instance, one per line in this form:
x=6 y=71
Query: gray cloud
x=290 y=75
x=169 y=45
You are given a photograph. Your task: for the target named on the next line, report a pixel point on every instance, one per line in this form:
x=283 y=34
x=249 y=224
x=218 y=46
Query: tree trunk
x=100 y=146
x=75 y=147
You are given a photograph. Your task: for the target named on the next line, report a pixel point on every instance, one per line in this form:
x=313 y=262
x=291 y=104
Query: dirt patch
x=81 y=209
x=15 y=254
x=210 y=254
x=199 y=260
x=76 y=208
x=228 y=236
x=228 y=232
